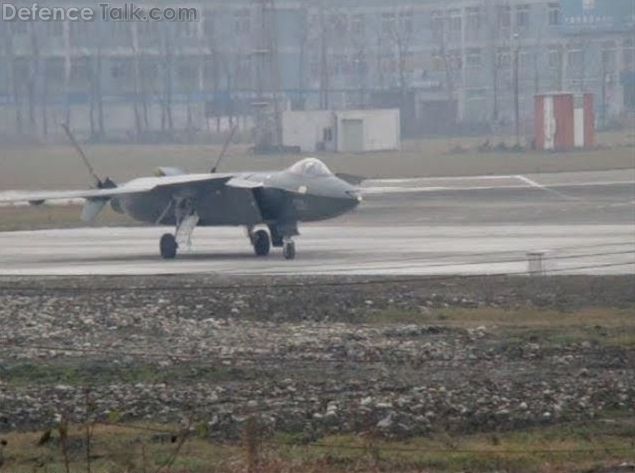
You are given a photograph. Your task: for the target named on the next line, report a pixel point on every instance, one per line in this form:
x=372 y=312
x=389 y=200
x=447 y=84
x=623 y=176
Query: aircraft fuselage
x=282 y=197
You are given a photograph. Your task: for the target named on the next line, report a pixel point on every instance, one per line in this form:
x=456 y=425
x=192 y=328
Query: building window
x=21 y=67
x=522 y=16
x=188 y=73
x=242 y=21
x=476 y=93
x=18 y=27
x=80 y=72
x=554 y=14
x=120 y=31
x=473 y=24
x=609 y=56
x=609 y=59
x=575 y=58
x=554 y=57
x=504 y=16
x=149 y=31
x=208 y=23
x=55 y=71
x=340 y=24
x=357 y=24
x=455 y=25
x=388 y=23
x=437 y=25
x=405 y=22
x=360 y=65
x=341 y=64
x=120 y=69
x=503 y=57
x=187 y=29
x=628 y=55
x=436 y=61
x=454 y=59
x=315 y=23
x=524 y=60
x=149 y=71
x=55 y=28
x=315 y=67
x=473 y=58
x=79 y=32
x=504 y=21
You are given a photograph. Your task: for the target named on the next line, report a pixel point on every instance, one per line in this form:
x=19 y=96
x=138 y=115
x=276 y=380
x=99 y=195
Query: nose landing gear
x=186 y=220
x=168 y=246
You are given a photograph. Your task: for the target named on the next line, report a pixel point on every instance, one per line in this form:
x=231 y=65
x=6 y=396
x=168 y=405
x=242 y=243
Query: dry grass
x=55 y=216
x=57 y=167
x=130 y=448
x=525 y=317
x=605 y=326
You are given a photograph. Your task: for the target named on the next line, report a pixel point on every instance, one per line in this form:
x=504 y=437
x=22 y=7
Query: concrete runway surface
x=583 y=222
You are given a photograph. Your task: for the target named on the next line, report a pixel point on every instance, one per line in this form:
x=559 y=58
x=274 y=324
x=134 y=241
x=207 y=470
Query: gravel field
x=318 y=356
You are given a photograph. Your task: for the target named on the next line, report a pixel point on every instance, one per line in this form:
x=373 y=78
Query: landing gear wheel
x=168 y=246
x=288 y=250
x=261 y=243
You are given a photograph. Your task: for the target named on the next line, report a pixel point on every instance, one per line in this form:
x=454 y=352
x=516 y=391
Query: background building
x=351 y=131
x=452 y=66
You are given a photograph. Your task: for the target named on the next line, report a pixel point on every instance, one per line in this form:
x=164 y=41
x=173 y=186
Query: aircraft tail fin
x=92 y=208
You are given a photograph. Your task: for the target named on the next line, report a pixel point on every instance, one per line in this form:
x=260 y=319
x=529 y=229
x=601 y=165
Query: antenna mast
x=79 y=150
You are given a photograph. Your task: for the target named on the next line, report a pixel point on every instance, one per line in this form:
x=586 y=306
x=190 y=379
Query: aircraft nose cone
x=349 y=196
x=355 y=194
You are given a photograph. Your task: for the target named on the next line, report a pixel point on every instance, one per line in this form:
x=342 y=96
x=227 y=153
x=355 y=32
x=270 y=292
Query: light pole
x=517 y=89
x=604 y=84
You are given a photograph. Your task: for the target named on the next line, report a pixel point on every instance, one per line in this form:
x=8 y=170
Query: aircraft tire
x=168 y=246
x=288 y=250
x=262 y=244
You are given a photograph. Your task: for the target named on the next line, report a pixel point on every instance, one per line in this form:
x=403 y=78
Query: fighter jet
x=305 y=192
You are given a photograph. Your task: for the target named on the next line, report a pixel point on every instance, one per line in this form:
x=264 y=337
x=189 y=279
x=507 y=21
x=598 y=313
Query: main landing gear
x=262 y=243
x=288 y=248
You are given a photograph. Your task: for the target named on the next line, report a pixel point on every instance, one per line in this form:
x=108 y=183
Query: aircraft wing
x=178 y=183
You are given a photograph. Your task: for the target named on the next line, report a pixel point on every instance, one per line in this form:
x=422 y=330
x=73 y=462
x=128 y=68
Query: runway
x=580 y=222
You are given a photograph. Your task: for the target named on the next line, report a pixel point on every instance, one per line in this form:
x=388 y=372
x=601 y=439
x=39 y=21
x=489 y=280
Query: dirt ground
x=336 y=374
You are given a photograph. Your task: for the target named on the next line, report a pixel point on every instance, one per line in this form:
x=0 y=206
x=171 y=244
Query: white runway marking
x=529 y=181
x=407 y=190
x=534 y=184
x=545 y=182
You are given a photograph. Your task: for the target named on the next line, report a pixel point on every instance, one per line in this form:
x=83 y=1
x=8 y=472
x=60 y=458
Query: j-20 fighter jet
x=305 y=192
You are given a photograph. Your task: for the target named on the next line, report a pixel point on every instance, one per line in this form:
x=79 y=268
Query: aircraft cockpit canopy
x=310 y=167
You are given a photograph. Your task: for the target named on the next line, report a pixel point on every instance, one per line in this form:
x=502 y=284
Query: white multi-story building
x=448 y=65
